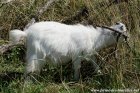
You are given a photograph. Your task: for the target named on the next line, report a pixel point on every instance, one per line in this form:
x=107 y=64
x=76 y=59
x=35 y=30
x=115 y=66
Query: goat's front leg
x=77 y=66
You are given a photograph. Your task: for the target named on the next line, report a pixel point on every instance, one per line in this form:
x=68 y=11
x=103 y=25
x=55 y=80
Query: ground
x=120 y=69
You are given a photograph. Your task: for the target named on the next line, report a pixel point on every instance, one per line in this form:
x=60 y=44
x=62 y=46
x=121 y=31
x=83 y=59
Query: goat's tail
x=16 y=36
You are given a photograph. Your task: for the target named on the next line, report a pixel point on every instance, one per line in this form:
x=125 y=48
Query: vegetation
x=120 y=69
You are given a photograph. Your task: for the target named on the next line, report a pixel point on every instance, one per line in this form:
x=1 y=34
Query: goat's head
x=117 y=31
x=119 y=27
x=120 y=31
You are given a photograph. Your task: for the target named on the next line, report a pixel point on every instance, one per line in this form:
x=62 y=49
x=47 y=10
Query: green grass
x=121 y=72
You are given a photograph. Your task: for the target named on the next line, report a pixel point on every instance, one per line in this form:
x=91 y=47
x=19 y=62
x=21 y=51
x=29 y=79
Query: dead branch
x=39 y=12
x=42 y=9
x=30 y=23
x=9 y=46
x=45 y=7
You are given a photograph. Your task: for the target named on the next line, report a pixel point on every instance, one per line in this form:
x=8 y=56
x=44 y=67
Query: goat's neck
x=104 y=39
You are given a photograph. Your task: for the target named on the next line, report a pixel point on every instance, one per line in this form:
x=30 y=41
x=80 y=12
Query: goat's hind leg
x=33 y=67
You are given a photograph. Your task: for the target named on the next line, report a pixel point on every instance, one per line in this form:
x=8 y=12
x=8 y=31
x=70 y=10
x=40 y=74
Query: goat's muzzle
x=126 y=36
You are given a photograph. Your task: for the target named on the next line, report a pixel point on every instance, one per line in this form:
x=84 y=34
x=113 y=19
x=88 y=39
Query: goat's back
x=57 y=40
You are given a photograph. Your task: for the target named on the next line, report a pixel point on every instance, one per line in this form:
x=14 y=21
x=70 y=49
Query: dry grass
x=119 y=72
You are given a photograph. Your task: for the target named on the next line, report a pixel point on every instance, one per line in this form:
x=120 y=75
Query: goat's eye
x=117 y=23
x=121 y=28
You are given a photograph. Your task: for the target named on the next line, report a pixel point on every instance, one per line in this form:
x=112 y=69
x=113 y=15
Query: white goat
x=60 y=43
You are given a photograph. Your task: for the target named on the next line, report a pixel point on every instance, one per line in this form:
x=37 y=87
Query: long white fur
x=60 y=43
x=15 y=36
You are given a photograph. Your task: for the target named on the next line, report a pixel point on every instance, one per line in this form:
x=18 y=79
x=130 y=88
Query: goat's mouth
x=125 y=35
